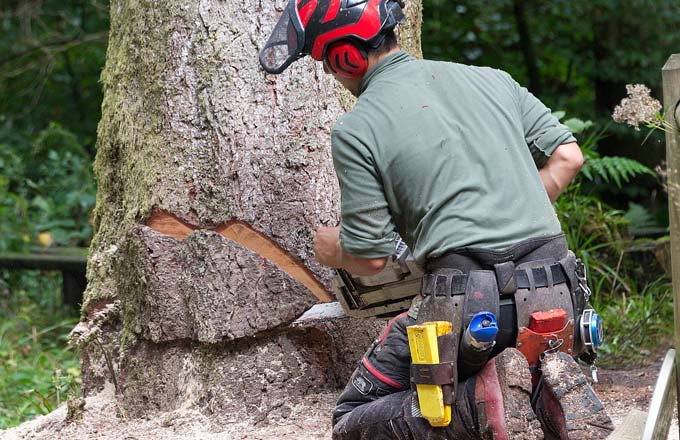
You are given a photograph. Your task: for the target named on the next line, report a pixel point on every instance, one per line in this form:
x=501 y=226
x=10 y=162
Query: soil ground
x=620 y=390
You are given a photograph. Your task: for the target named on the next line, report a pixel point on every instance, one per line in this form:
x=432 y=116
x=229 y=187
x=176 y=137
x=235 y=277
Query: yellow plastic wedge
x=422 y=340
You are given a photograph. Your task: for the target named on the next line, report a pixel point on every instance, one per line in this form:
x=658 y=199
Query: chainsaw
x=387 y=293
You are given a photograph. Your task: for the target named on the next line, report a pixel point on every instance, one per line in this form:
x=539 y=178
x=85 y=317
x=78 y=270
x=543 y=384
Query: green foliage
x=596 y=233
x=614 y=169
x=594 y=230
x=641 y=222
x=582 y=51
x=610 y=169
x=37 y=369
x=636 y=322
x=636 y=313
x=47 y=186
x=51 y=55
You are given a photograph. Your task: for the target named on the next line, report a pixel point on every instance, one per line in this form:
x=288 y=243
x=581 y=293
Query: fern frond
x=614 y=168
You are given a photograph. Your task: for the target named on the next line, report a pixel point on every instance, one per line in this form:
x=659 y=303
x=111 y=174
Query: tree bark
x=195 y=133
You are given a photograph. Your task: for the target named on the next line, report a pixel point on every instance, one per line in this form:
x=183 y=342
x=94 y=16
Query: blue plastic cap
x=484 y=327
x=596 y=330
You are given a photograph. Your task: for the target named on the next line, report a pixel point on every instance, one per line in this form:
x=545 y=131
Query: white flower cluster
x=638 y=108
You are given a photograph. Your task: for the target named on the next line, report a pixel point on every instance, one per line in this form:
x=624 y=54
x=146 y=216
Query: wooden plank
x=671 y=97
x=663 y=401
x=631 y=428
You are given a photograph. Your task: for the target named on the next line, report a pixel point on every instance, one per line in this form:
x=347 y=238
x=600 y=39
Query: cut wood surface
x=241 y=233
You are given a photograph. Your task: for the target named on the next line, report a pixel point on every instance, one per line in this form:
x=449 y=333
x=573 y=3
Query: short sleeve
x=542 y=131
x=367 y=228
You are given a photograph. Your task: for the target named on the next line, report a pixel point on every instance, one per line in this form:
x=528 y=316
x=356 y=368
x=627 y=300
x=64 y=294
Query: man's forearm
x=562 y=166
x=330 y=253
x=361 y=266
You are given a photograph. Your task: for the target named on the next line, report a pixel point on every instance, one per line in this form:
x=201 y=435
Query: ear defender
x=347 y=59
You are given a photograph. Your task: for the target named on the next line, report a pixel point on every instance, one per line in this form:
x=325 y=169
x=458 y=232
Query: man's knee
x=383 y=370
x=381 y=418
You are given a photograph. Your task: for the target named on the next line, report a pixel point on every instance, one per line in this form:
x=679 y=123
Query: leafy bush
x=46 y=193
x=46 y=186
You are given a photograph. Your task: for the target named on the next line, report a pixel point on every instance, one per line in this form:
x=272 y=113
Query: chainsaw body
x=387 y=293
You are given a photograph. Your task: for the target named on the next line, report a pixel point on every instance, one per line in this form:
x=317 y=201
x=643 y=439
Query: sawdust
x=101 y=420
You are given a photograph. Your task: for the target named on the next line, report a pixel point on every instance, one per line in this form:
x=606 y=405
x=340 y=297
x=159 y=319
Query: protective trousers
x=378 y=403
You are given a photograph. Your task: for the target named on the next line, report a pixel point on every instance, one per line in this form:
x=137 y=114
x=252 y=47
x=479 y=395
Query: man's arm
x=329 y=252
x=365 y=239
x=562 y=166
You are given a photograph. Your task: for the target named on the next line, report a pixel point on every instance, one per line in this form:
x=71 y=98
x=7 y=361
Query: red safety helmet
x=338 y=30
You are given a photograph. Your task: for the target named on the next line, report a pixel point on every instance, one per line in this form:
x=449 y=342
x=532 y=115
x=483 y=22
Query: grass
x=37 y=368
x=635 y=323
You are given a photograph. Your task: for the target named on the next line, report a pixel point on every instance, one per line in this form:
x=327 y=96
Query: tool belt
x=508 y=280
x=547 y=296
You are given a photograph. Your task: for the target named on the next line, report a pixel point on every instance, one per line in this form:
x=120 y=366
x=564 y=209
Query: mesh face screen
x=284 y=45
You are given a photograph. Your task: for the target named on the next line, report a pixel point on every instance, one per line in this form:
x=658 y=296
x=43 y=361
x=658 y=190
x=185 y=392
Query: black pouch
x=505 y=277
x=438 y=304
x=481 y=295
x=535 y=299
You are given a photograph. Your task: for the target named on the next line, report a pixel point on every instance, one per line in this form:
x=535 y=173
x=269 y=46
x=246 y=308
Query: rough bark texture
x=193 y=127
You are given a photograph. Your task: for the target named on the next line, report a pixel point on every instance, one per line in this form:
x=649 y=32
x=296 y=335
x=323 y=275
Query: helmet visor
x=285 y=44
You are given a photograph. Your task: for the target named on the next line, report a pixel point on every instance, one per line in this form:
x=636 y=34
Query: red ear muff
x=346 y=59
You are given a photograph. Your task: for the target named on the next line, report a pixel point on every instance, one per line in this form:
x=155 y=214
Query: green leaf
x=577 y=126
x=559 y=114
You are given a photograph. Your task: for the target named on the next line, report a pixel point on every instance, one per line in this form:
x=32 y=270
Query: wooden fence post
x=671 y=97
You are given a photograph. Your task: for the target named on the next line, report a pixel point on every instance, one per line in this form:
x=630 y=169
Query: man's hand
x=329 y=253
x=562 y=166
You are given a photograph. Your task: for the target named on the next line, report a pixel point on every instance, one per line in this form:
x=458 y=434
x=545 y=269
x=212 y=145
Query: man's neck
x=375 y=59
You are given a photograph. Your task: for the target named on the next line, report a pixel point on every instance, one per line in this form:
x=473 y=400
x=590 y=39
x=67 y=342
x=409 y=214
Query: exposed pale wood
x=671 y=96
x=247 y=237
x=663 y=401
x=168 y=224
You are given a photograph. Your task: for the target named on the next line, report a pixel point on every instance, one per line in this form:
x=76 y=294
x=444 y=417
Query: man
x=463 y=163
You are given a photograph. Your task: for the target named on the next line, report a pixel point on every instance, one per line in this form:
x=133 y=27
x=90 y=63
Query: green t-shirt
x=446 y=155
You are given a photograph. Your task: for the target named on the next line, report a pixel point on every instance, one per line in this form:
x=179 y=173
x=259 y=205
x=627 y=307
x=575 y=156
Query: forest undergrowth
x=38 y=370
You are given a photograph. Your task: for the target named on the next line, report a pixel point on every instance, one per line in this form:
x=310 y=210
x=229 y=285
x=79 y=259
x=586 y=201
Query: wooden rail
x=671 y=97
x=71 y=262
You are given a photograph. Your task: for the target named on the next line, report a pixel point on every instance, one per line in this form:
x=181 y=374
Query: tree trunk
x=211 y=178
